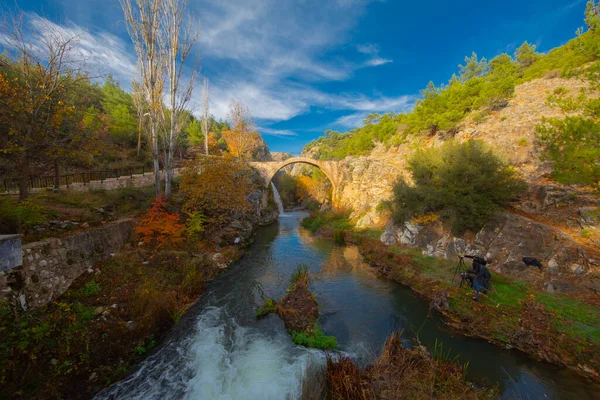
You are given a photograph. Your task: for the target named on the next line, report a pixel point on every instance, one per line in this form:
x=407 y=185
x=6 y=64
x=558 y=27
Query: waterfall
x=277 y=198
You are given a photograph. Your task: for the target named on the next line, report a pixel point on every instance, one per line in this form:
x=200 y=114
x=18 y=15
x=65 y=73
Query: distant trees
x=526 y=54
x=592 y=15
x=119 y=106
x=479 y=88
x=473 y=68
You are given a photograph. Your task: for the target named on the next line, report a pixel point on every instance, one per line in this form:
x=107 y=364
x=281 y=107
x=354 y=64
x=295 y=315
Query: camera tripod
x=460 y=266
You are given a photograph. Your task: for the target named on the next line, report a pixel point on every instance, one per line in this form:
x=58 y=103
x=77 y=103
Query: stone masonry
x=51 y=265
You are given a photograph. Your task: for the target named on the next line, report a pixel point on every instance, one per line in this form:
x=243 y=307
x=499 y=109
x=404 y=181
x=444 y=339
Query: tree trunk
x=24 y=178
x=169 y=173
x=169 y=155
x=206 y=143
x=155 y=157
x=139 y=143
x=56 y=176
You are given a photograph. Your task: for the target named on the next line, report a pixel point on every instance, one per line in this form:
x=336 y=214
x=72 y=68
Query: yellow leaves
x=424 y=219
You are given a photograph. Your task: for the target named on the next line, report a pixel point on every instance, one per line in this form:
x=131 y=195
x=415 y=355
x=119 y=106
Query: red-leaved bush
x=158 y=227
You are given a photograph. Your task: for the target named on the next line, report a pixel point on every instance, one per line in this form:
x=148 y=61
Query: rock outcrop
x=504 y=242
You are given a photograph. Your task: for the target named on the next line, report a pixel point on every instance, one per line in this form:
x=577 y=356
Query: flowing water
x=220 y=351
x=277 y=198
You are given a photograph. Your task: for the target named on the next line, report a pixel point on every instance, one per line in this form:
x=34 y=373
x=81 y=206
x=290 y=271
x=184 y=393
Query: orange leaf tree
x=218 y=187
x=159 y=227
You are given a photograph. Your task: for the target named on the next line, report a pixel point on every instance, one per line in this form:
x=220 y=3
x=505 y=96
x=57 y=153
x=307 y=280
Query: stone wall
x=51 y=265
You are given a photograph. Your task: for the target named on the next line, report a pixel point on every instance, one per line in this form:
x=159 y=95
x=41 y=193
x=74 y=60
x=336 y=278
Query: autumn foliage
x=159 y=227
x=243 y=142
x=217 y=187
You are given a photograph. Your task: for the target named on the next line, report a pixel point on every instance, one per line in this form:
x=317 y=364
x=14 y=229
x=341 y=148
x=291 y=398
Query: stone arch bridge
x=268 y=169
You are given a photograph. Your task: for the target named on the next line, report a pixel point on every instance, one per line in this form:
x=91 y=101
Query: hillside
x=556 y=223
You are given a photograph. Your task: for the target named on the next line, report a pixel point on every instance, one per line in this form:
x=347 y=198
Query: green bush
x=315 y=339
x=195 y=224
x=267 y=308
x=330 y=219
x=91 y=288
x=464 y=183
x=572 y=145
x=300 y=272
x=17 y=216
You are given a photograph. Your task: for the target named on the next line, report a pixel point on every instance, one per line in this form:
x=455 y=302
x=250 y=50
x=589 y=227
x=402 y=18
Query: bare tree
x=143 y=20
x=205 y=115
x=179 y=40
x=141 y=107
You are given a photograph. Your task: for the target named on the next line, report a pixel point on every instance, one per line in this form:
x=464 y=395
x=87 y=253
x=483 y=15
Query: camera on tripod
x=467 y=274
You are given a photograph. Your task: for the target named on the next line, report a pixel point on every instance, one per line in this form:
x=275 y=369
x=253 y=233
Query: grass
x=91 y=288
x=314 y=338
x=300 y=273
x=331 y=219
x=92 y=207
x=574 y=317
x=267 y=308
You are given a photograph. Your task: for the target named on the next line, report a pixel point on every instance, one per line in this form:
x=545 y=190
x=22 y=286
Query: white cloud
x=368 y=48
x=101 y=52
x=374 y=62
x=266 y=53
x=277 y=132
x=351 y=121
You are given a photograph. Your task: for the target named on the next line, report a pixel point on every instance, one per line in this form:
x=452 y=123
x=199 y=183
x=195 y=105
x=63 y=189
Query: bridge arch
x=268 y=170
x=300 y=160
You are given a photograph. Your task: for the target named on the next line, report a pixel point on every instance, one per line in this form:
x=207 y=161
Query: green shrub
x=195 y=224
x=91 y=288
x=267 y=308
x=464 y=183
x=17 y=216
x=572 y=143
x=84 y=313
x=339 y=236
x=315 y=339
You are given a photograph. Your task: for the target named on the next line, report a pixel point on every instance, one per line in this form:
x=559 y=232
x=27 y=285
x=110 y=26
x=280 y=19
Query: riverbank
x=550 y=327
x=113 y=316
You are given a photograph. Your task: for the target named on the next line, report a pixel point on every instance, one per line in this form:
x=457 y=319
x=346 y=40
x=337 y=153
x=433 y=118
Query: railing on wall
x=47 y=181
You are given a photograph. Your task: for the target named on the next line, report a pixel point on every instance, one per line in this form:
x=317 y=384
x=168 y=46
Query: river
x=220 y=351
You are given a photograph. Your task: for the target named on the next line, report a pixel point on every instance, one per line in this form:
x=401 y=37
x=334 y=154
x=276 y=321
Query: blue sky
x=306 y=66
